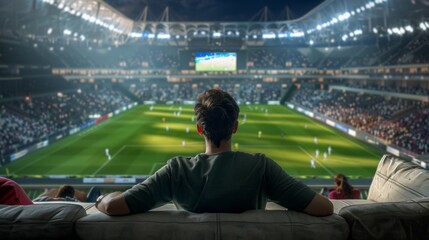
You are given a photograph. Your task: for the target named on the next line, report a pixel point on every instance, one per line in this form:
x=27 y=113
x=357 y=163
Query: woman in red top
x=12 y=194
x=343 y=190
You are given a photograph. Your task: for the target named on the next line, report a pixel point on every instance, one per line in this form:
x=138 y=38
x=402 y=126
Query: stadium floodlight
x=217 y=34
x=136 y=35
x=49 y=31
x=423 y=26
x=319 y=27
x=82 y=38
x=92 y=19
x=61 y=6
x=163 y=36
x=409 y=28
x=352 y=13
x=282 y=35
x=345 y=37
x=151 y=36
x=358 y=32
x=67 y=32
x=297 y=34
x=374 y=30
x=311 y=42
x=268 y=36
x=389 y=31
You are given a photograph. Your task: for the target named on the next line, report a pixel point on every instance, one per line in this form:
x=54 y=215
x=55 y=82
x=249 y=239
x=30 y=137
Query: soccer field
x=140 y=142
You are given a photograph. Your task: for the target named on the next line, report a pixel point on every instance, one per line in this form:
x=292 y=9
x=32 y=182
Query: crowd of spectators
x=242 y=90
x=414 y=90
x=398 y=121
x=277 y=59
x=30 y=120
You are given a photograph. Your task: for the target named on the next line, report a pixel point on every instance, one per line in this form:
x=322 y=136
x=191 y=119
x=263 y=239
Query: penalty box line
x=142 y=145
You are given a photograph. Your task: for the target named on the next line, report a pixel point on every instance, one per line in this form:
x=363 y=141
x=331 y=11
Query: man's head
x=65 y=191
x=216 y=113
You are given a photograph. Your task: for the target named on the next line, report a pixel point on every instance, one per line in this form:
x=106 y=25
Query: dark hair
x=216 y=113
x=65 y=191
x=343 y=185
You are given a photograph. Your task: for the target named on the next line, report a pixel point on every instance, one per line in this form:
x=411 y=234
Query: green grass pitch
x=139 y=144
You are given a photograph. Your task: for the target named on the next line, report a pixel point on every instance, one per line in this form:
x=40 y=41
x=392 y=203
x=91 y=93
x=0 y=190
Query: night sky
x=214 y=10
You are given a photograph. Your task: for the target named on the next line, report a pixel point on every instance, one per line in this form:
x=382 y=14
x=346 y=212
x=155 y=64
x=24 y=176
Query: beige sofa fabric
x=40 y=221
x=398 y=180
x=393 y=221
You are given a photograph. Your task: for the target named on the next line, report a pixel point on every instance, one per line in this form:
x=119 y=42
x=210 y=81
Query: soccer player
x=183 y=143
x=315 y=140
x=312 y=163
x=167 y=128
x=183 y=180
x=317 y=153
x=187 y=130
x=259 y=134
x=329 y=150
x=108 y=154
x=325 y=156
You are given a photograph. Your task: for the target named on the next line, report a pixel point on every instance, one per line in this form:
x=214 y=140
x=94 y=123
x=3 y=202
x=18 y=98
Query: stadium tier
x=355 y=76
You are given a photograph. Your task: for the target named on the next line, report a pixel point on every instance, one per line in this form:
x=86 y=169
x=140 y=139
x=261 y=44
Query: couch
x=397 y=208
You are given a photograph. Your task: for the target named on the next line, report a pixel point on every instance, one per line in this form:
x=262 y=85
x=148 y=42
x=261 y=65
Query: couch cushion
x=45 y=221
x=255 y=224
x=395 y=220
x=397 y=180
x=275 y=224
x=150 y=225
x=341 y=203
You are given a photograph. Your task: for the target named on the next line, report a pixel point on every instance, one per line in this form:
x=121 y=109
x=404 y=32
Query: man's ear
x=199 y=129
x=234 y=130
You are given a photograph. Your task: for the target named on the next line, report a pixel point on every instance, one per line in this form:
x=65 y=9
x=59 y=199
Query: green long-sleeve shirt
x=224 y=182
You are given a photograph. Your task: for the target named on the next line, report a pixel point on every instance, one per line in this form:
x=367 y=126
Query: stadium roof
x=331 y=22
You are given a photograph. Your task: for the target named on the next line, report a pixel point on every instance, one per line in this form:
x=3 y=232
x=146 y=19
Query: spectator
x=343 y=189
x=68 y=193
x=218 y=180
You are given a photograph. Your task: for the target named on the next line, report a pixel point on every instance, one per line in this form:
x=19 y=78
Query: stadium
x=92 y=97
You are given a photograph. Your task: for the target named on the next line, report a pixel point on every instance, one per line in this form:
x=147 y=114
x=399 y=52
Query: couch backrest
x=174 y=224
x=39 y=221
x=398 y=180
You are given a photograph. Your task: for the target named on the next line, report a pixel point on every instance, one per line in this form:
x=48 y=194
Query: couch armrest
x=39 y=221
x=389 y=220
x=397 y=180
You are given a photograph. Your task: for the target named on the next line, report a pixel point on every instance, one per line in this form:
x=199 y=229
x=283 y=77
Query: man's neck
x=225 y=146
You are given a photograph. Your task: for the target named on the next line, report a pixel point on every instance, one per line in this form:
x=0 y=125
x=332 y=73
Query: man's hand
x=113 y=204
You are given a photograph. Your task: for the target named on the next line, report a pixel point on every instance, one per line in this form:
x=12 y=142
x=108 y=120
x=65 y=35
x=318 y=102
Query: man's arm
x=113 y=204
x=319 y=206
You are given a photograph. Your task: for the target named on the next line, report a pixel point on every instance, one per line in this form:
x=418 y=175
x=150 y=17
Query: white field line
x=107 y=162
x=44 y=156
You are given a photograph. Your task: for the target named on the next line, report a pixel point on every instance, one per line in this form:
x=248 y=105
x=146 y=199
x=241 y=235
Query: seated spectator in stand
x=11 y=193
x=219 y=180
x=68 y=193
x=343 y=190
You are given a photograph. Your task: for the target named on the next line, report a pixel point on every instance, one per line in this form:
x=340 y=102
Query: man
x=219 y=180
